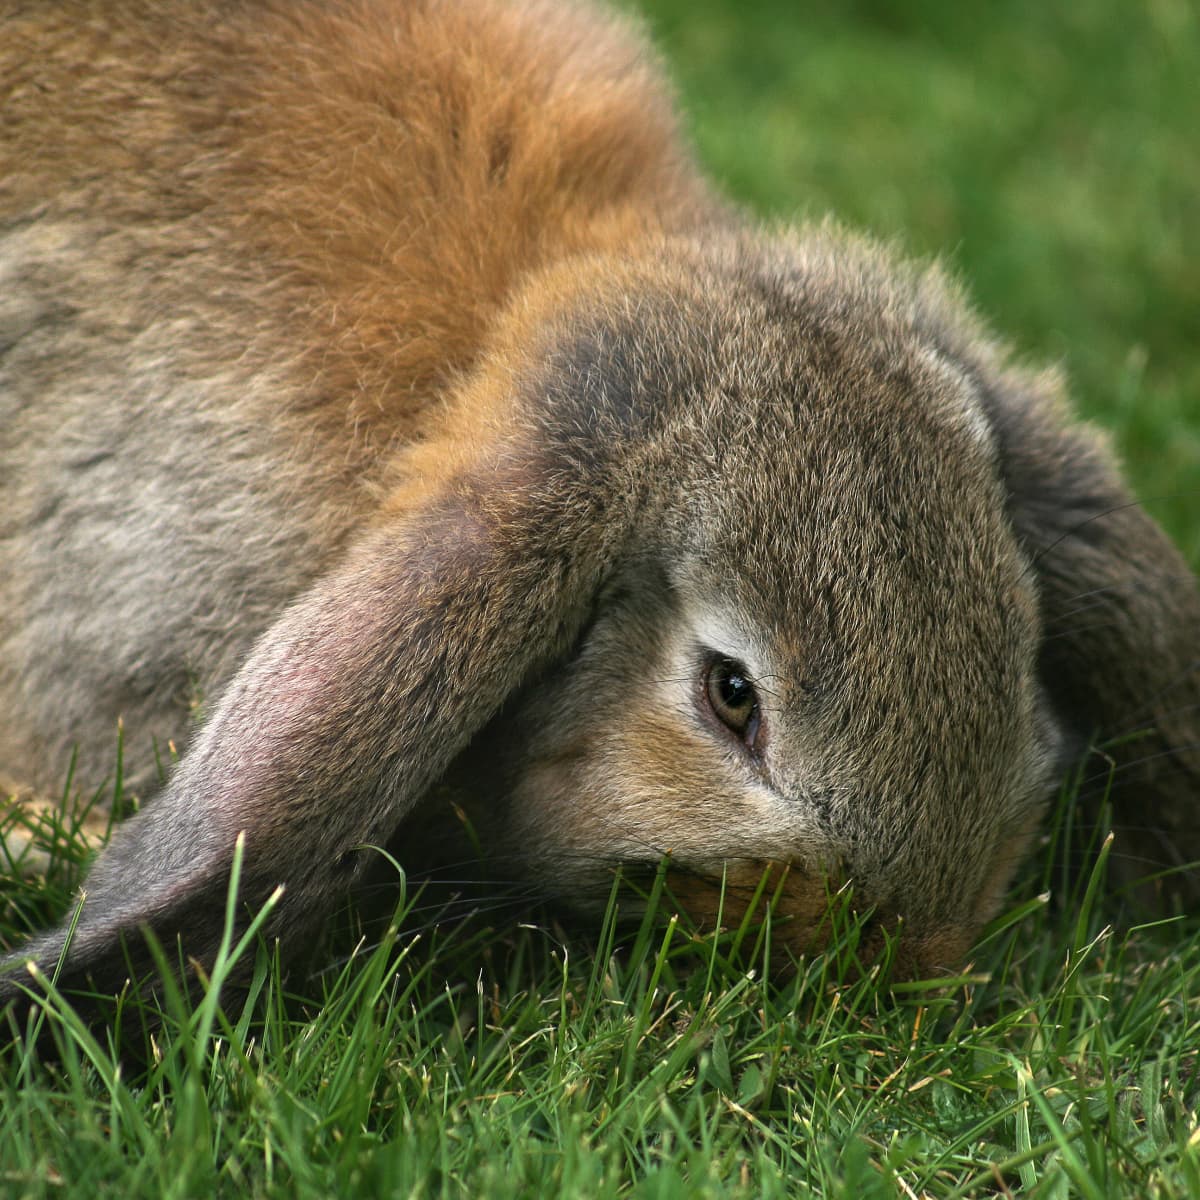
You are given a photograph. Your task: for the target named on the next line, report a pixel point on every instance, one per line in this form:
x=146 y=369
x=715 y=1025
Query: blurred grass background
x=1049 y=153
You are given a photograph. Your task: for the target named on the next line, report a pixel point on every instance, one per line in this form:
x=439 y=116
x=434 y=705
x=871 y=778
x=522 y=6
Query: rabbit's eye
x=732 y=698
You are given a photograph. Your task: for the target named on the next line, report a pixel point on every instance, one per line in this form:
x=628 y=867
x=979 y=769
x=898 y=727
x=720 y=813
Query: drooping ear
x=1121 y=630
x=348 y=709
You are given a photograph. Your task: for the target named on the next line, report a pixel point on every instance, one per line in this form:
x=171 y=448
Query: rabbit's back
x=237 y=265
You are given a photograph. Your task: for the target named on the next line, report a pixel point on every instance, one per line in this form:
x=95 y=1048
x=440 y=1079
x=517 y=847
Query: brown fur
x=384 y=374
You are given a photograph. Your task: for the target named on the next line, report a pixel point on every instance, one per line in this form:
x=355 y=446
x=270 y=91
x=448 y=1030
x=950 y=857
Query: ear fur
x=344 y=714
x=1120 y=656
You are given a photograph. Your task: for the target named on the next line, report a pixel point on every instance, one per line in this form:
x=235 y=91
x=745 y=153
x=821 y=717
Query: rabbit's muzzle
x=802 y=916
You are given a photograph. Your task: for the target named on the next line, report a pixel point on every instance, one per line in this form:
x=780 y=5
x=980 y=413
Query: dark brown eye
x=732 y=698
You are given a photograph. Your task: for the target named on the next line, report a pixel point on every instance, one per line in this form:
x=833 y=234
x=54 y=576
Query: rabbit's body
x=219 y=319
x=402 y=344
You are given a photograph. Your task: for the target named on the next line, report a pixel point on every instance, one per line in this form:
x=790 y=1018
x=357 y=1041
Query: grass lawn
x=1048 y=153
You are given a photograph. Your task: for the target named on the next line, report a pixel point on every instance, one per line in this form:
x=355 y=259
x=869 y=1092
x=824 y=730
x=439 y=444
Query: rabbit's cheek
x=655 y=787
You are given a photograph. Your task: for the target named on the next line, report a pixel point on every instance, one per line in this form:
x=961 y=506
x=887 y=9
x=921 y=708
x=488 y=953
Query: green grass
x=645 y=1061
x=1048 y=153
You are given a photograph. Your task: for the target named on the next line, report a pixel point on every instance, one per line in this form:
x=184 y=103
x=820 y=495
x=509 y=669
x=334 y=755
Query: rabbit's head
x=818 y=648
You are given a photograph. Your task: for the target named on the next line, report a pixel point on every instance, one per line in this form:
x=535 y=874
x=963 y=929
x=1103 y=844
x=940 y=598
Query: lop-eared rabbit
x=385 y=373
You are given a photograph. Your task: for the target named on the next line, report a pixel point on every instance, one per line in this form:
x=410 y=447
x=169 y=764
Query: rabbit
x=384 y=379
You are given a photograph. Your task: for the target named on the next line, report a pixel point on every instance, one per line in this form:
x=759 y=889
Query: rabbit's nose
x=917 y=953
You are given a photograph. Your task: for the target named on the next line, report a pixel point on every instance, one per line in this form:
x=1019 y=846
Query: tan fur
x=381 y=378
x=392 y=186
